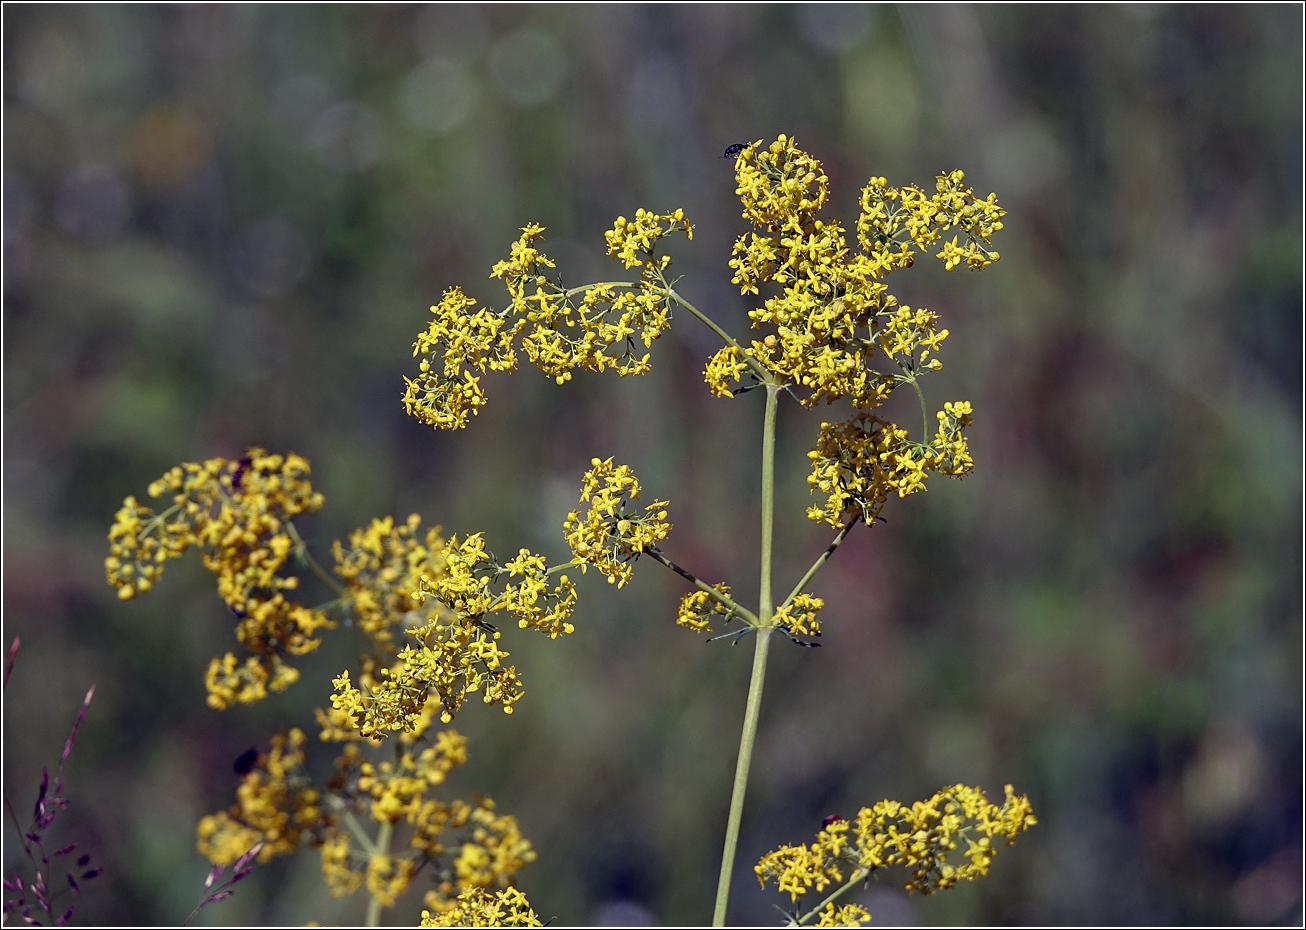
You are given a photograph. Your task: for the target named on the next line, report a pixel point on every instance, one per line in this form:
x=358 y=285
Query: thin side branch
x=724 y=599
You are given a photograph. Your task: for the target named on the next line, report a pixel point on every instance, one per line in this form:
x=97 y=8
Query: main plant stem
x=383 y=836
x=752 y=711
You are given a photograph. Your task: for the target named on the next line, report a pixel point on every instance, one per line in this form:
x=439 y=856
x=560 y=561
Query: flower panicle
x=238 y=514
x=831 y=329
x=924 y=836
x=278 y=810
x=615 y=530
x=447 y=592
x=858 y=464
x=593 y=328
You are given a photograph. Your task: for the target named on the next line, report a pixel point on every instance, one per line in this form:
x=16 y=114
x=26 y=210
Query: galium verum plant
x=827 y=330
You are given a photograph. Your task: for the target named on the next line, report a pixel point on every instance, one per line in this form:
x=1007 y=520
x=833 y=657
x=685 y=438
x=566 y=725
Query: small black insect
x=734 y=150
x=246 y=761
x=833 y=818
x=239 y=472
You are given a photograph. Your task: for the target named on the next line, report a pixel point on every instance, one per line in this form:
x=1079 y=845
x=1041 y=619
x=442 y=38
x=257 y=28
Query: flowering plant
x=827 y=330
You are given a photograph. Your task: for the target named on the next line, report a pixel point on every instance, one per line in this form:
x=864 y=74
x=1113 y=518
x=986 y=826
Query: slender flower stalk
x=382 y=850
x=757 y=680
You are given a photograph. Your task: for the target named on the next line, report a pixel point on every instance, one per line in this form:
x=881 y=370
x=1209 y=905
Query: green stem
x=355 y=828
x=724 y=599
x=765 y=604
x=746 y=740
x=301 y=550
x=586 y=287
x=758 y=679
x=857 y=876
x=383 y=849
x=925 y=416
x=751 y=362
x=829 y=551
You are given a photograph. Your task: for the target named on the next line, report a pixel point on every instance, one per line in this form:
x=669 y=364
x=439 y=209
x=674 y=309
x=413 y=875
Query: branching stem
x=758 y=679
x=829 y=551
x=382 y=849
x=751 y=362
x=301 y=550
x=724 y=599
x=857 y=877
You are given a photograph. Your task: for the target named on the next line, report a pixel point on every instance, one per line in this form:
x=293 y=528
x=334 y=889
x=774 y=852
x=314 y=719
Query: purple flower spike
x=91 y=873
x=9 y=663
x=68 y=746
x=40 y=797
x=248 y=857
x=220 y=896
x=66 y=850
x=10 y=905
x=215 y=873
x=83 y=859
x=72 y=883
x=64 y=919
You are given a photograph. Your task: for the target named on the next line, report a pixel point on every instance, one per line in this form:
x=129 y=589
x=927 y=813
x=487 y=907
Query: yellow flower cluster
x=477 y=907
x=456 y=342
x=450 y=661
x=859 y=463
x=922 y=836
x=455 y=650
x=276 y=805
x=397 y=788
x=799 y=615
x=238 y=515
x=495 y=851
x=613 y=532
x=697 y=608
x=833 y=315
x=396 y=793
x=383 y=569
x=559 y=333
x=845 y=915
x=922 y=219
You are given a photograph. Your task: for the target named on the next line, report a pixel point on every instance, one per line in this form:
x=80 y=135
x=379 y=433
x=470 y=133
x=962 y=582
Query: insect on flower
x=733 y=151
x=238 y=472
x=246 y=761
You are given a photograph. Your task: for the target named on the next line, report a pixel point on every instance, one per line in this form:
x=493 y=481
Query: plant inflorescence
x=430 y=608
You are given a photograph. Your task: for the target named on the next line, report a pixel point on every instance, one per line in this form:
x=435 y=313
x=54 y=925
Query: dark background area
x=223 y=227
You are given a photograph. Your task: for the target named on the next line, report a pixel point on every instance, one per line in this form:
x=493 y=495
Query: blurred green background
x=223 y=226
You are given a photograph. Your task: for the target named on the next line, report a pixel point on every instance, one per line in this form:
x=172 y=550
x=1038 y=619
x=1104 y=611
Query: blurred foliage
x=223 y=226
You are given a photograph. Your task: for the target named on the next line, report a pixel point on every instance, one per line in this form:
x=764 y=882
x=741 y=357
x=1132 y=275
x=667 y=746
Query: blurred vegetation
x=223 y=226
